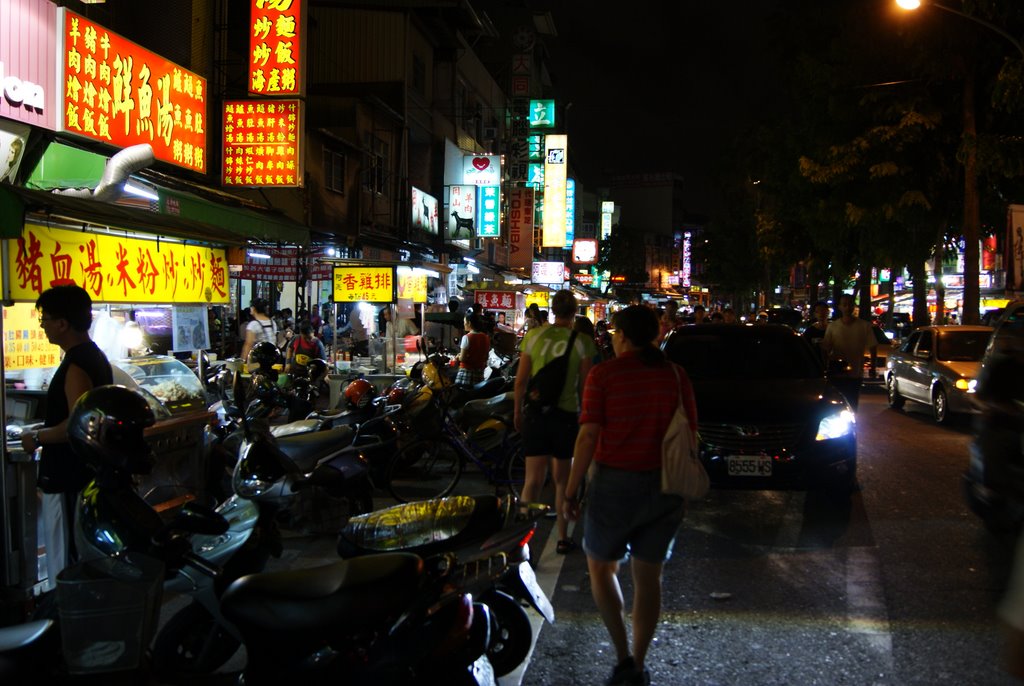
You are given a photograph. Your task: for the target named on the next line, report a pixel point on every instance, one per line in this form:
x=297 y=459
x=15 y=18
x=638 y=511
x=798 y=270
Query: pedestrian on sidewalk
x=628 y=402
x=847 y=339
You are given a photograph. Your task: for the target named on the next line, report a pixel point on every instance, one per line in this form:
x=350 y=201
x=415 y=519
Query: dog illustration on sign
x=462 y=223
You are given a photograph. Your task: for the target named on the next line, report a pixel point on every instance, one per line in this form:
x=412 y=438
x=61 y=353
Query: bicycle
x=431 y=467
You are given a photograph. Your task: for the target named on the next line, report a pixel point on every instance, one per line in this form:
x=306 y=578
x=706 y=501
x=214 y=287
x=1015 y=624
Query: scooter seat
x=333 y=599
x=424 y=528
x=305 y=450
x=476 y=411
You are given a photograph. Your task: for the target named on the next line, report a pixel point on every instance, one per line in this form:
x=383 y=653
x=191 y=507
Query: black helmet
x=317 y=370
x=263 y=358
x=106 y=425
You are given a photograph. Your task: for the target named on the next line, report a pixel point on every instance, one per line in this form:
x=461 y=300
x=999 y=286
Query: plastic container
x=109 y=610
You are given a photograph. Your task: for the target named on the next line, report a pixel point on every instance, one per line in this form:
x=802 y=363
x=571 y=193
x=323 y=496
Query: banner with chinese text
x=461 y=212
x=118 y=92
x=367 y=284
x=275 y=47
x=115 y=269
x=412 y=286
x=25 y=343
x=489 y=224
x=496 y=300
x=261 y=143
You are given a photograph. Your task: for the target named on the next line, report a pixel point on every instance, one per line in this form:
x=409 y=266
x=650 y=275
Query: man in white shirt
x=846 y=339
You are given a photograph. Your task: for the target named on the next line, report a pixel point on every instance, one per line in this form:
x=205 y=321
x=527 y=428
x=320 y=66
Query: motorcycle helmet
x=265 y=359
x=106 y=427
x=359 y=393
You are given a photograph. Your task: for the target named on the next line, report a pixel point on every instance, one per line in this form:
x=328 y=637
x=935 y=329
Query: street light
x=972 y=210
x=915 y=4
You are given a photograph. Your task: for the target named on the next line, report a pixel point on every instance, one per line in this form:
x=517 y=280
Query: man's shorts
x=549 y=433
x=626 y=512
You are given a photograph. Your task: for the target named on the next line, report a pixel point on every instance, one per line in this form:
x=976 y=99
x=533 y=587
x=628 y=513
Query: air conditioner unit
x=490 y=133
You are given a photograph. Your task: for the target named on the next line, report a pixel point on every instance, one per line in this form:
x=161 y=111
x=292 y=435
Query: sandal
x=565 y=546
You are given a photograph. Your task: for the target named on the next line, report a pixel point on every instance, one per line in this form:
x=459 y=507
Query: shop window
x=334 y=171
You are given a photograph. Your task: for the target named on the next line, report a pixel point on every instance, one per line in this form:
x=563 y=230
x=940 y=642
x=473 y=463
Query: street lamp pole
x=972 y=211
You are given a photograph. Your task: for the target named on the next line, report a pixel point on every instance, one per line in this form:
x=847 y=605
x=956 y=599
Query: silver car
x=937 y=366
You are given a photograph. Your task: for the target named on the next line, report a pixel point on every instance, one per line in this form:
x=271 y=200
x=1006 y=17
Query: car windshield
x=962 y=346
x=745 y=356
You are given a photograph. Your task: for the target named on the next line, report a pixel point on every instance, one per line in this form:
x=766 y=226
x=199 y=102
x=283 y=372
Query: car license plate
x=749 y=465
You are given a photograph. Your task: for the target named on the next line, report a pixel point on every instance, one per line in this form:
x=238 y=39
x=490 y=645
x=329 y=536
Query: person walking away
x=846 y=339
x=302 y=349
x=549 y=437
x=473 y=351
x=585 y=327
x=65 y=315
x=260 y=328
x=628 y=402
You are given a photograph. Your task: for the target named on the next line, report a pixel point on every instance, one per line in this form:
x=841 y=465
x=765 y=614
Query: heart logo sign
x=481 y=163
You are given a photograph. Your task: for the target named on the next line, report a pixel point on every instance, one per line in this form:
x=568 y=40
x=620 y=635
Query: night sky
x=661 y=86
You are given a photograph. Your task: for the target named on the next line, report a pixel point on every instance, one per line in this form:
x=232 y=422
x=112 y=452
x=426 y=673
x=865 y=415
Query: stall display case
x=177 y=439
x=169 y=379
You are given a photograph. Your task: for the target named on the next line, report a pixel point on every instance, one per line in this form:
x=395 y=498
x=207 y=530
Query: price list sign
x=261 y=143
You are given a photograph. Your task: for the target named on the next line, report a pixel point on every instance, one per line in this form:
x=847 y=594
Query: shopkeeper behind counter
x=65 y=315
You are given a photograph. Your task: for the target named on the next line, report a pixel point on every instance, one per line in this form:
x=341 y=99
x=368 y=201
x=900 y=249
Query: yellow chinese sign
x=261 y=143
x=368 y=284
x=413 y=287
x=25 y=344
x=275 y=47
x=115 y=269
x=120 y=93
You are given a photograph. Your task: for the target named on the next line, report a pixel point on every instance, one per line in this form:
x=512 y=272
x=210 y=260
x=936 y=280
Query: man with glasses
x=65 y=315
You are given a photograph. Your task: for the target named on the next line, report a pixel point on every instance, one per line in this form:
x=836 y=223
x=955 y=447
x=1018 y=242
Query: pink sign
x=28 y=62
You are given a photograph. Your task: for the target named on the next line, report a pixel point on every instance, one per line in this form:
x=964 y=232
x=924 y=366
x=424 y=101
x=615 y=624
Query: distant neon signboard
x=461 y=212
x=570 y=212
x=556 y=164
x=275 y=47
x=584 y=251
x=424 y=211
x=120 y=93
x=481 y=170
x=542 y=114
x=261 y=143
x=548 y=272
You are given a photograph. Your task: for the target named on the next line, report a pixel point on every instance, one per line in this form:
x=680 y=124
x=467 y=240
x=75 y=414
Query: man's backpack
x=545 y=387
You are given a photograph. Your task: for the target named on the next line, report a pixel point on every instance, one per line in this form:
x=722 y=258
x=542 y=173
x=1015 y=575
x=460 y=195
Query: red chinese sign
x=120 y=93
x=275 y=47
x=496 y=300
x=261 y=143
x=115 y=269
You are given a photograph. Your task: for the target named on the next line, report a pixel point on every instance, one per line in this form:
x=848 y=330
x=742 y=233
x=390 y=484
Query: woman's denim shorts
x=626 y=513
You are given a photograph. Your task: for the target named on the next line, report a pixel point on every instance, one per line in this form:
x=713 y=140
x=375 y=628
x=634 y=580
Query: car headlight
x=966 y=385
x=836 y=425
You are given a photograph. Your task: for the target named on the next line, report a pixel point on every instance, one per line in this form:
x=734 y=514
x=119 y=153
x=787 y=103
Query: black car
x=768 y=417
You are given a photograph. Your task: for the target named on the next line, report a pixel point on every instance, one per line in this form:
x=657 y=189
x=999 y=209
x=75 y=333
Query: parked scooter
x=382 y=619
x=488 y=538
x=105 y=429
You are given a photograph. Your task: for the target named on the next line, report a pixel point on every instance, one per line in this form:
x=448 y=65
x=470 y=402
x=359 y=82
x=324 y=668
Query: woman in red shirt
x=628 y=403
x=473 y=352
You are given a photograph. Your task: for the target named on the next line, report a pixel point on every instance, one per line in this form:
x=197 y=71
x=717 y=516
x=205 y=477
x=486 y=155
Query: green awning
x=18 y=204
x=258 y=226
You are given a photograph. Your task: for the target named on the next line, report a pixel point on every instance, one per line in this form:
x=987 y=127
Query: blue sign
x=489 y=212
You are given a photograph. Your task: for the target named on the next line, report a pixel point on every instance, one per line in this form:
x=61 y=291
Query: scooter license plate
x=749 y=465
x=537 y=597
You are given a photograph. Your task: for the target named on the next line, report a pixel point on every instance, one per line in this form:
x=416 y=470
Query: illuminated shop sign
x=570 y=213
x=548 y=272
x=367 y=284
x=261 y=143
x=461 y=212
x=556 y=163
x=424 y=211
x=116 y=269
x=489 y=225
x=686 y=271
x=412 y=285
x=28 y=62
x=481 y=170
x=25 y=342
x=542 y=114
x=496 y=300
x=275 y=47
x=120 y=93
x=521 y=204
x=584 y=251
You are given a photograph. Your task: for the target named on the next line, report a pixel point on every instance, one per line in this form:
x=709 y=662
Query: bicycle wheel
x=424 y=470
x=515 y=463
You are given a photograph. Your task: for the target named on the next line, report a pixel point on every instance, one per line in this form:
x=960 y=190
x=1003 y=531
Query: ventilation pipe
x=118 y=169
